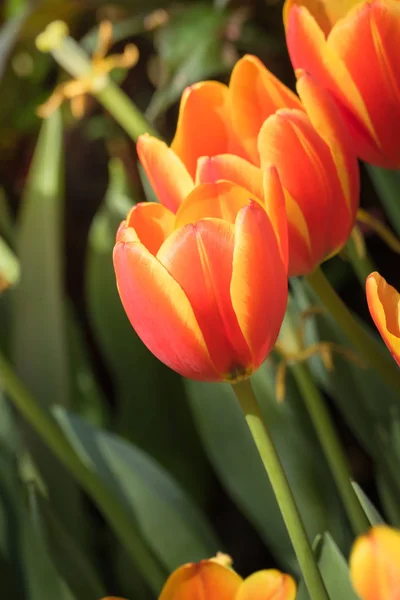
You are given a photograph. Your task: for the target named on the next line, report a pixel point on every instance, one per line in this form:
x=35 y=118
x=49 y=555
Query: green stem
x=362 y=265
x=331 y=446
x=75 y=61
x=387 y=185
x=365 y=344
x=124 y=111
x=283 y=493
x=119 y=517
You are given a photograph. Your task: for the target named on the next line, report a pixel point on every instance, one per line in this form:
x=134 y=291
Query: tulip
x=351 y=48
x=375 y=564
x=212 y=581
x=256 y=122
x=208 y=579
x=205 y=288
x=384 y=306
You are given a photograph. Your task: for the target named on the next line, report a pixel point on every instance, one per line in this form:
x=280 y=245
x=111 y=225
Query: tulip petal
x=275 y=206
x=315 y=7
x=204 y=580
x=325 y=12
x=384 y=306
x=375 y=564
x=259 y=282
x=326 y=119
x=167 y=174
x=307 y=172
x=160 y=312
x=255 y=94
x=151 y=222
x=375 y=27
x=310 y=51
x=199 y=257
x=203 y=125
x=220 y=200
x=232 y=168
x=267 y=585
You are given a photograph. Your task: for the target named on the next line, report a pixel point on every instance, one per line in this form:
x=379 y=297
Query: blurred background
x=176 y=453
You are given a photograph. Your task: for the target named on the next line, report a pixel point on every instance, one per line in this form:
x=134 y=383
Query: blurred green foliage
x=176 y=454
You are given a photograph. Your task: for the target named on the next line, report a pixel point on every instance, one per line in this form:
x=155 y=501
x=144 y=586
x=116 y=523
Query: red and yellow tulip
x=205 y=288
x=234 y=133
x=351 y=48
x=384 y=306
x=375 y=564
x=213 y=581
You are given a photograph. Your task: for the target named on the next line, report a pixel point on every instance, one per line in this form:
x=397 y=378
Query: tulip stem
x=124 y=111
x=360 y=339
x=284 y=496
x=121 y=521
x=362 y=264
x=331 y=446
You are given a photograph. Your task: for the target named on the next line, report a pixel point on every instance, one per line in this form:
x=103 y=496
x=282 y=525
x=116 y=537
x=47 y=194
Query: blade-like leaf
x=334 y=570
x=172 y=525
x=372 y=514
x=71 y=561
x=39 y=336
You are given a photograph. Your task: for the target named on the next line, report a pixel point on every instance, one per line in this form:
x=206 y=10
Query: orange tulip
x=351 y=48
x=384 y=306
x=212 y=581
x=208 y=579
x=235 y=133
x=375 y=564
x=205 y=289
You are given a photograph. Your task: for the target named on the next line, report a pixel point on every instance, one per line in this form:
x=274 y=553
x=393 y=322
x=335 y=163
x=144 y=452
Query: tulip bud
x=384 y=306
x=206 y=289
x=351 y=48
x=375 y=564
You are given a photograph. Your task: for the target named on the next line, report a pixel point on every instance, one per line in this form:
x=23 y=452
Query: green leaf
x=153 y=412
x=334 y=570
x=88 y=397
x=170 y=522
x=44 y=581
x=69 y=558
x=26 y=570
x=373 y=515
x=11 y=567
x=190 y=48
x=233 y=454
x=389 y=498
x=39 y=328
x=354 y=389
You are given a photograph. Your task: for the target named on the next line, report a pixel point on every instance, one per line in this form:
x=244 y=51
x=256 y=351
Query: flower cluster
x=258 y=184
x=374 y=570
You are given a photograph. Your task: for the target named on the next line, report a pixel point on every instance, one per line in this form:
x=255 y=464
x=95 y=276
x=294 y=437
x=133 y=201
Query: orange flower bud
x=351 y=48
x=205 y=289
x=375 y=564
x=384 y=306
x=213 y=581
